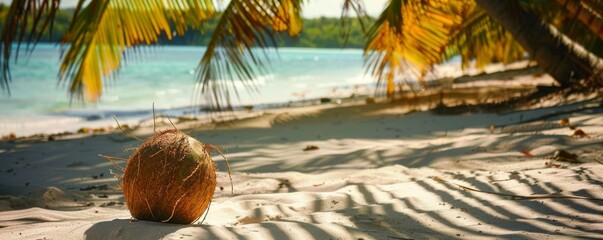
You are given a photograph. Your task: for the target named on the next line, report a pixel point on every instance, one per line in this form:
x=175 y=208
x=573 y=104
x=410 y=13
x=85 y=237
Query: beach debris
x=284 y=183
x=527 y=153
x=108 y=204
x=84 y=130
x=170 y=178
x=9 y=137
x=248 y=108
x=514 y=196
x=553 y=164
x=565 y=156
x=578 y=133
x=99 y=130
x=564 y=122
x=311 y=148
x=99 y=187
x=370 y=100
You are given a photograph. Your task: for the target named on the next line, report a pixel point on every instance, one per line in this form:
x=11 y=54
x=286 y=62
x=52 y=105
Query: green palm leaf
x=102 y=32
x=36 y=14
x=358 y=8
x=230 y=55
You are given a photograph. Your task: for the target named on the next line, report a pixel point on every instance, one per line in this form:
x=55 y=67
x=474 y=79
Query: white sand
x=371 y=178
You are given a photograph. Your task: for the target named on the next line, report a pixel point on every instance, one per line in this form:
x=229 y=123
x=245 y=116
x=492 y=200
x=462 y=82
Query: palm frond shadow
x=258 y=150
x=394 y=211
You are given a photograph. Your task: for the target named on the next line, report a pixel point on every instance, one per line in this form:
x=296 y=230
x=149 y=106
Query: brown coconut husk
x=170 y=178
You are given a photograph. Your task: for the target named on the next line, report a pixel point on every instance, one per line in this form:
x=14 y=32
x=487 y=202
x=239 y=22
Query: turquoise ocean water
x=166 y=76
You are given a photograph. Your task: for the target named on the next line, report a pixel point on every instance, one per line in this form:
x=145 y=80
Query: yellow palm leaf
x=482 y=39
x=104 y=30
x=411 y=36
x=100 y=33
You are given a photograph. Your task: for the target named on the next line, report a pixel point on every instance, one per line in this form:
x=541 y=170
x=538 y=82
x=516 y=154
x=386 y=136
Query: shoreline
x=470 y=86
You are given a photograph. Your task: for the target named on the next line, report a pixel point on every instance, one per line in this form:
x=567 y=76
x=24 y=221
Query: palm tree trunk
x=562 y=58
x=586 y=15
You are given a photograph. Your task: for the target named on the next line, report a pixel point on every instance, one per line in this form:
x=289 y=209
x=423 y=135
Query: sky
x=312 y=8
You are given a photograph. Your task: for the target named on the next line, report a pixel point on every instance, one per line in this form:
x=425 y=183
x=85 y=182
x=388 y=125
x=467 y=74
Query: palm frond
x=36 y=14
x=231 y=55
x=100 y=34
x=358 y=8
x=411 y=36
x=484 y=40
x=589 y=12
x=594 y=5
x=104 y=30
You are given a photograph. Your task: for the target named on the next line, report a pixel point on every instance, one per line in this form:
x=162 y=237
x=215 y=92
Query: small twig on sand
x=517 y=197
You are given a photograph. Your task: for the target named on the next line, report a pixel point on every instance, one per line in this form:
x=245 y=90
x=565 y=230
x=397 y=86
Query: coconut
x=170 y=178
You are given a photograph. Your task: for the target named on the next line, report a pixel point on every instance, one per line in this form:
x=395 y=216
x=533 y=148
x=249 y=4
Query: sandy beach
x=373 y=171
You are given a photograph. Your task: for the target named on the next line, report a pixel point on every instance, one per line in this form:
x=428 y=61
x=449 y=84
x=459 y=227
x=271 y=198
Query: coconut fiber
x=170 y=178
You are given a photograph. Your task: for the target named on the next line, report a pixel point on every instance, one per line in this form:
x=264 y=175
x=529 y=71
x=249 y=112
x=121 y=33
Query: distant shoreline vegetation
x=317 y=32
